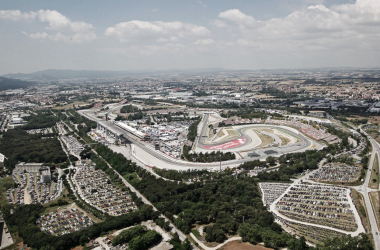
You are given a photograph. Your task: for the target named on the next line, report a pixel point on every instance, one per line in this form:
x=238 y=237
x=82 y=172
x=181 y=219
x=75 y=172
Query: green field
x=5 y=184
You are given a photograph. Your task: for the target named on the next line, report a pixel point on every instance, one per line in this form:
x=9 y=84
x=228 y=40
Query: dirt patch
x=361 y=208
x=265 y=139
x=77 y=248
x=284 y=140
x=236 y=245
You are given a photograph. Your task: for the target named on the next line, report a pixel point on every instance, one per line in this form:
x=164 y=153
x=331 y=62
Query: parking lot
x=319 y=204
x=271 y=191
x=336 y=172
x=95 y=187
x=32 y=190
x=69 y=220
x=315 y=235
x=40 y=131
x=72 y=144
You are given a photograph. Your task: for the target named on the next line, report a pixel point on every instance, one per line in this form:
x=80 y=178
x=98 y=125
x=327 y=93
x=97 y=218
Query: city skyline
x=188 y=34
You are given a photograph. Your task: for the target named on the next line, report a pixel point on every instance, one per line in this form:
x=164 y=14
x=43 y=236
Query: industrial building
x=33 y=168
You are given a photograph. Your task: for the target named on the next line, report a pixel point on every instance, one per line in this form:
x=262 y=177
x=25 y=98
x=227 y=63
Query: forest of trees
x=138 y=238
x=192 y=132
x=19 y=146
x=224 y=201
x=179 y=175
x=9 y=83
x=129 y=109
x=43 y=119
x=206 y=157
x=246 y=113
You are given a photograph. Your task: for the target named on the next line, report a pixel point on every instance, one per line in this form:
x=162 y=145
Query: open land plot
x=284 y=140
x=96 y=189
x=374 y=133
x=336 y=172
x=226 y=134
x=237 y=245
x=265 y=139
x=371 y=119
x=320 y=204
x=317 y=88
x=264 y=96
x=71 y=105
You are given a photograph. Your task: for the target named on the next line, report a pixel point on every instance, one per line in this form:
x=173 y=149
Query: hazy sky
x=182 y=34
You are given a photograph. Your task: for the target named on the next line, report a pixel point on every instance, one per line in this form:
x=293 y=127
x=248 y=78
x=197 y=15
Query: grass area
x=361 y=208
x=265 y=140
x=211 y=134
x=196 y=233
x=284 y=140
x=375 y=198
x=374 y=181
x=371 y=119
x=64 y=197
x=132 y=178
x=70 y=105
x=5 y=184
x=231 y=134
x=374 y=133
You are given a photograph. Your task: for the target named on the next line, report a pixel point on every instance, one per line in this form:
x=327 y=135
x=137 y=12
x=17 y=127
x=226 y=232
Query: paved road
x=180 y=164
x=181 y=235
x=146 y=201
x=218 y=246
x=305 y=178
x=364 y=190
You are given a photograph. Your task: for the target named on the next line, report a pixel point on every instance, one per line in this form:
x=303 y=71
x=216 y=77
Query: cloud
x=219 y=23
x=206 y=41
x=67 y=30
x=16 y=15
x=135 y=30
x=202 y=4
x=315 y=27
x=238 y=17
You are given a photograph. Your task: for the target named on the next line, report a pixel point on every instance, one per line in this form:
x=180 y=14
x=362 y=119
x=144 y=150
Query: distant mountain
x=7 y=83
x=55 y=74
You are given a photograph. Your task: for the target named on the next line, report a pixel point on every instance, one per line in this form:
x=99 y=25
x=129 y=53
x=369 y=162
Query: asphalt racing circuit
x=145 y=153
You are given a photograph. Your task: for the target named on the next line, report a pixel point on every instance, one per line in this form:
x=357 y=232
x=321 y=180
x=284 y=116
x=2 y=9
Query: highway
x=364 y=190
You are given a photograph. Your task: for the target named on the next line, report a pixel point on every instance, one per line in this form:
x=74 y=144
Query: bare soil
x=236 y=245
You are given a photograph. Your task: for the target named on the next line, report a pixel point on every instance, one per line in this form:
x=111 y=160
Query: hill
x=8 y=83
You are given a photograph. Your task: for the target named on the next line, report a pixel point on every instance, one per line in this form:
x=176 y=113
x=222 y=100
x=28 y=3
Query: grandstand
x=133 y=131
